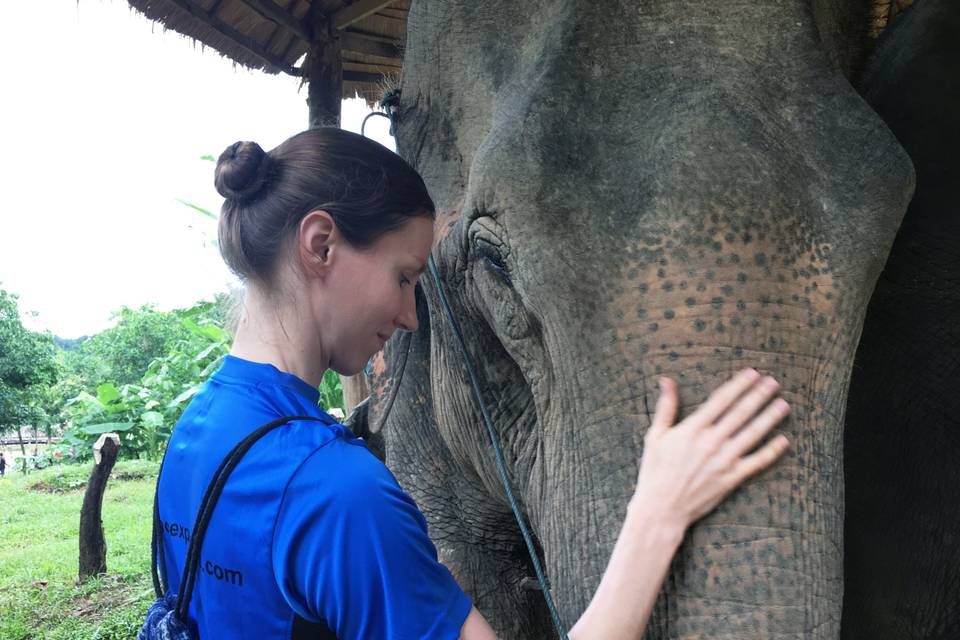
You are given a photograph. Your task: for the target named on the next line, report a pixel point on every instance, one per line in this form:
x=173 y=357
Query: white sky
x=103 y=121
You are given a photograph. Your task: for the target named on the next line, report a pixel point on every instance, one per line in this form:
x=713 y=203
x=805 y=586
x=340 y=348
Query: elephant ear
x=398 y=376
x=357 y=421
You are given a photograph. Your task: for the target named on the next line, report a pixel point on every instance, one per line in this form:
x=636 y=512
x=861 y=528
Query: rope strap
x=497 y=452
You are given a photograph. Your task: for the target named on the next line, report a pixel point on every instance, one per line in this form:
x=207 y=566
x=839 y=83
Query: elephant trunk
x=768 y=561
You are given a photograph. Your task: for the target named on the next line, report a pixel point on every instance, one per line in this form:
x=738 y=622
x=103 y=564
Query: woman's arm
x=685 y=472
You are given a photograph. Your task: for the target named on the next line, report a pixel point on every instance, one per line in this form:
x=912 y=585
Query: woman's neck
x=281 y=335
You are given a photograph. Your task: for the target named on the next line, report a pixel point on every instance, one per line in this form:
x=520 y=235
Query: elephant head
x=628 y=190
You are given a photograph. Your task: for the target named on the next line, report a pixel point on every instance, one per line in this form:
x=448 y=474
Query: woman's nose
x=407 y=320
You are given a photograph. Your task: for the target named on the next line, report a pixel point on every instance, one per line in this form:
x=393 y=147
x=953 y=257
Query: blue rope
x=497 y=452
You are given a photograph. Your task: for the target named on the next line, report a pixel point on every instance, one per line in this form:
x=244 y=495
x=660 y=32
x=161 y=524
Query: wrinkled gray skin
x=627 y=190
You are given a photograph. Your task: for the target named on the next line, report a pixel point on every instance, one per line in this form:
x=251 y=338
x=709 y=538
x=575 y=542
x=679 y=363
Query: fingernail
x=783 y=406
x=750 y=374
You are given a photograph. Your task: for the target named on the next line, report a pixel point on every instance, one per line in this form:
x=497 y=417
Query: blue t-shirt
x=309 y=523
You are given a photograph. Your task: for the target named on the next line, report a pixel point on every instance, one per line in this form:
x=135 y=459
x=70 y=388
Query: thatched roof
x=273 y=35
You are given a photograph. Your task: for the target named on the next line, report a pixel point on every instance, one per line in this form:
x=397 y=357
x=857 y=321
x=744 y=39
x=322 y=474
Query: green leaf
x=152 y=419
x=183 y=396
x=206 y=352
x=108 y=393
x=210 y=332
x=214 y=333
x=213 y=366
x=208 y=157
x=205 y=212
x=106 y=427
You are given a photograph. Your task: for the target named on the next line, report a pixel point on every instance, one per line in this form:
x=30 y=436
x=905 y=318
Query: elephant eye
x=486 y=240
x=498 y=267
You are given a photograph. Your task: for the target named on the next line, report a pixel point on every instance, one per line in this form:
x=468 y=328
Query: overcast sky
x=104 y=120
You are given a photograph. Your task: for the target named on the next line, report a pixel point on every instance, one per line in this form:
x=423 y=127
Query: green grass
x=40 y=597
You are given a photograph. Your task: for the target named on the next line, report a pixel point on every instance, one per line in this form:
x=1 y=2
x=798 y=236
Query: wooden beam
x=237 y=38
x=370 y=67
x=353 y=42
x=391 y=12
x=362 y=76
x=274 y=13
x=324 y=68
x=373 y=37
x=357 y=11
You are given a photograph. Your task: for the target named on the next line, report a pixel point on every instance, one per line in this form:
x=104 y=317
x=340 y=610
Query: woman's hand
x=687 y=469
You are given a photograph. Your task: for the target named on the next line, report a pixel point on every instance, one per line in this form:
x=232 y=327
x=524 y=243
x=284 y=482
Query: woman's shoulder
x=344 y=471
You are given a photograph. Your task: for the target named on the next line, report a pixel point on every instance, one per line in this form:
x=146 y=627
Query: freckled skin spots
x=379 y=364
x=443 y=223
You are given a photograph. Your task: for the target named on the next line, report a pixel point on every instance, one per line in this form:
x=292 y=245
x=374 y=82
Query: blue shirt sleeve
x=350 y=548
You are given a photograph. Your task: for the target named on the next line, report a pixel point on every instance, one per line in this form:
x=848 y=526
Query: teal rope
x=498 y=453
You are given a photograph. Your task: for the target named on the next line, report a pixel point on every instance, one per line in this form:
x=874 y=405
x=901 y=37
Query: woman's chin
x=353 y=368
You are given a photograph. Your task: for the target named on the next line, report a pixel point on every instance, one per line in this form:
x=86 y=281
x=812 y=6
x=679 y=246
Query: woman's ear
x=316 y=240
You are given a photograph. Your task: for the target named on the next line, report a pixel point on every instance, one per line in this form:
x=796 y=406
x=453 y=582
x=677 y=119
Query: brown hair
x=367 y=189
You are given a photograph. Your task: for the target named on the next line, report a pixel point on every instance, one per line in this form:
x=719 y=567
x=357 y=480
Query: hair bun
x=242 y=171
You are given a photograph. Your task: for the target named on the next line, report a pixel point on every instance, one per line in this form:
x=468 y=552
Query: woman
x=331 y=232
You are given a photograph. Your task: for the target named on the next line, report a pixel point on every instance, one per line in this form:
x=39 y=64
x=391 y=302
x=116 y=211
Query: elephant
x=902 y=434
x=627 y=190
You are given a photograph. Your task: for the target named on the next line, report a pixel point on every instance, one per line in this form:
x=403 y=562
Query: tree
x=123 y=352
x=27 y=368
x=144 y=411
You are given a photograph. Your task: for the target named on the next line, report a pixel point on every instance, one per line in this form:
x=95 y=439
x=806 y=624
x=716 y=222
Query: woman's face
x=372 y=291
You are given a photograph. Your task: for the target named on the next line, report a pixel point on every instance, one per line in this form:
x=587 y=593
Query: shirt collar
x=248 y=370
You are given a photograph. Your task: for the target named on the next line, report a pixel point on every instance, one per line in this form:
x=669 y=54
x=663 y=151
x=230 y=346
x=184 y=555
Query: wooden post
x=23 y=449
x=324 y=69
x=93 y=546
x=355 y=389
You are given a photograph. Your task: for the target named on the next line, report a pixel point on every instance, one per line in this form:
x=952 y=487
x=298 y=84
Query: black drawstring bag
x=167 y=616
